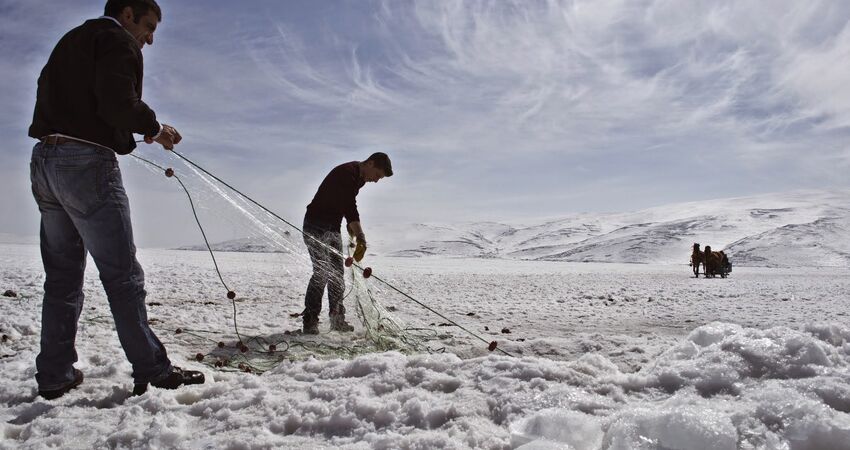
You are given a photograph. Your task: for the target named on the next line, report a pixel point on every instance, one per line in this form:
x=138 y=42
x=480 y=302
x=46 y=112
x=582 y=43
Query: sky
x=490 y=110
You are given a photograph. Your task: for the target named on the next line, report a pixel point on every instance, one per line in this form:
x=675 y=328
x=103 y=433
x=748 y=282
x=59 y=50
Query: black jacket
x=336 y=198
x=91 y=88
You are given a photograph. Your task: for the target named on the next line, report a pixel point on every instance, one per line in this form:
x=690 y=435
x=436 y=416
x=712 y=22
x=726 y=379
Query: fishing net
x=254 y=346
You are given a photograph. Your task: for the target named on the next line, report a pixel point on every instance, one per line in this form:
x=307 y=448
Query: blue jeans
x=84 y=208
x=328 y=271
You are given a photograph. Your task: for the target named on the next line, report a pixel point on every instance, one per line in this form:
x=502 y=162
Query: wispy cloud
x=492 y=108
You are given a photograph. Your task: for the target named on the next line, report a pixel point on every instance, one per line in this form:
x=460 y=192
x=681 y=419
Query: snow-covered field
x=620 y=356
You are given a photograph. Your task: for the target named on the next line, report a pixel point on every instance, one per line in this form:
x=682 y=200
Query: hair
x=113 y=8
x=382 y=161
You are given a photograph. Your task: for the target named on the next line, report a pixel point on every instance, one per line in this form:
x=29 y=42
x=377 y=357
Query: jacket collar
x=112 y=19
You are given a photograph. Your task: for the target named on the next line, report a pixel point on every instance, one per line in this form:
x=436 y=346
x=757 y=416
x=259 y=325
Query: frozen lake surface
x=618 y=356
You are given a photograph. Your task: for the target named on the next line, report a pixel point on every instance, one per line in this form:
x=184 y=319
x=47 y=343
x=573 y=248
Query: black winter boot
x=311 y=326
x=178 y=377
x=56 y=393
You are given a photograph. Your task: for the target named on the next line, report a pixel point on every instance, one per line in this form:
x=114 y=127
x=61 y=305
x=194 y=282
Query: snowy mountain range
x=252 y=244
x=803 y=228
x=809 y=228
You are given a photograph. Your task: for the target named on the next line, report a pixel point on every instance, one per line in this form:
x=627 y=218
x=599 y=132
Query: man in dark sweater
x=335 y=199
x=87 y=108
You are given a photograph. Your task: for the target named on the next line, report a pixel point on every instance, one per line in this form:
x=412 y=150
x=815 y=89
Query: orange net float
x=231 y=295
x=169 y=172
x=492 y=346
x=367 y=272
x=349 y=261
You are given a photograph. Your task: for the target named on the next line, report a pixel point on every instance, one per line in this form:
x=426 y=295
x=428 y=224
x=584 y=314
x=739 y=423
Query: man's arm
x=118 y=103
x=356 y=230
x=348 y=192
x=352 y=216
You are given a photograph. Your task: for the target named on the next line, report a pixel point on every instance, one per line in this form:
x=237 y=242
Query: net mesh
x=219 y=210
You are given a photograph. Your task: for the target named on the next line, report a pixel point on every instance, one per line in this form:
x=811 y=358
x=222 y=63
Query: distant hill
x=8 y=238
x=250 y=245
x=798 y=229
x=809 y=229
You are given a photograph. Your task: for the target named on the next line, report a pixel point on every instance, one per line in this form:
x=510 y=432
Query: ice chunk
x=557 y=428
x=676 y=426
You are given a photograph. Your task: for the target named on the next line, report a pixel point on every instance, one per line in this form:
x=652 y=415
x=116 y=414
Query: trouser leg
x=64 y=259
x=319 y=279
x=108 y=235
x=336 y=274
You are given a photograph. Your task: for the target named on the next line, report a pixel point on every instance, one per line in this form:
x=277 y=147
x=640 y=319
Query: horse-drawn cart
x=714 y=263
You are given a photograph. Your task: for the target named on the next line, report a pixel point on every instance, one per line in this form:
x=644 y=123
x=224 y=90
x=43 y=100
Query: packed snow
x=615 y=356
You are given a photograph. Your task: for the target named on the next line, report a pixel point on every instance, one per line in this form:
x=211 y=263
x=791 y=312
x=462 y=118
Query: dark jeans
x=84 y=208
x=328 y=271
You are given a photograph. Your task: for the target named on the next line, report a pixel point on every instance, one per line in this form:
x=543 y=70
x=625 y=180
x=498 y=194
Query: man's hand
x=168 y=137
x=360 y=250
x=355 y=230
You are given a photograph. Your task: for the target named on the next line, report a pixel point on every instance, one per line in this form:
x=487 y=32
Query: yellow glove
x=354 y=229
x=360 y=250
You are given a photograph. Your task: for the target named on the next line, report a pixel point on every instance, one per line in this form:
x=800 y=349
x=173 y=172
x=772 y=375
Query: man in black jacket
x=336 y=198
x=87 y=108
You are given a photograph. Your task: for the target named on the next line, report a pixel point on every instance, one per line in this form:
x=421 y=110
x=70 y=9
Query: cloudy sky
x=491 y=110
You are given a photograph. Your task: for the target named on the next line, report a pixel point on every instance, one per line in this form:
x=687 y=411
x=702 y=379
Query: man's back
x=91 y=88
x=336 y=197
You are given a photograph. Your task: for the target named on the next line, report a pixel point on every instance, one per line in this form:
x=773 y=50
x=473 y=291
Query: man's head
x=376 y=167
x=138 y=17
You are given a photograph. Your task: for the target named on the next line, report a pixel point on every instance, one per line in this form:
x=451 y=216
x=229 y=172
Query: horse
x=697 y=258
x=716 y=263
